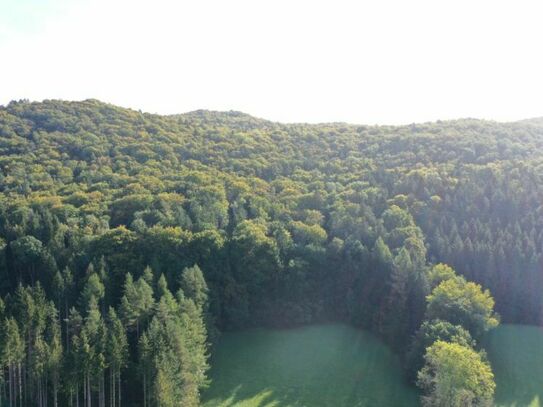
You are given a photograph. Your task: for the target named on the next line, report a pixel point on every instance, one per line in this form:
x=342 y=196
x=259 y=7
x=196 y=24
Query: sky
x=370 y=62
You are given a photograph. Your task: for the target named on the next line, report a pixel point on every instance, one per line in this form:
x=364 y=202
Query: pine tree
x=173 y=351
x=117 y=355
x=93 y=288
x=136 y=303
x=91 y=346
x=55 y=352
x=167 y=306
x=393 y=319
x=195 y=363
x=73 y=363
x=145 y=360
x=194 y=286
x=12 y=356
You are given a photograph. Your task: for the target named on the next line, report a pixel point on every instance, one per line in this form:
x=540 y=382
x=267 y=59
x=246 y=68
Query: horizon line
x=316 y=123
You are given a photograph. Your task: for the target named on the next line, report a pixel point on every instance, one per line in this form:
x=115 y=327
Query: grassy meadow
x=516 y=355
x=324 y=365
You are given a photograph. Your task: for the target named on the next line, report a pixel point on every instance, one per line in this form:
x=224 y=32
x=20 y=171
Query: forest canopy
x=131 y=240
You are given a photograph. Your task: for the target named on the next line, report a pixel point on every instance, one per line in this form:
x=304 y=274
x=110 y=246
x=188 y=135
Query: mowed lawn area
x=516 y=355
x=323 y=365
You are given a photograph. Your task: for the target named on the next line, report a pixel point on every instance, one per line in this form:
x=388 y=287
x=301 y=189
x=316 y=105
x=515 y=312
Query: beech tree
x=428 y=333
x=463 y=303
x=455 y=375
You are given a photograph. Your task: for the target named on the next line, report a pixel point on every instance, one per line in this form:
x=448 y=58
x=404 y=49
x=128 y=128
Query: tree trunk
x=20 y=386
x=55 y=393
x=89 y=391
x=25 y=373
x=3 y=394
x=46 y=391
x=67 y=326
x=144 y=389
x=102 y=390
x=10 y=385
x=113 y=391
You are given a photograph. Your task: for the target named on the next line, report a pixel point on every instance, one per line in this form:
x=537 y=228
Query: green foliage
x=173 y=353
x=463 y=303
x=455 y=375
x=136 y=303
x=288 y=224
x=93 y=289
x=12 y=343
x=439 y=273
x=194 y=286
x=117 y=343
x=427 y=334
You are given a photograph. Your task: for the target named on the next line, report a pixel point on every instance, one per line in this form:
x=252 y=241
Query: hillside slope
x=307 y=205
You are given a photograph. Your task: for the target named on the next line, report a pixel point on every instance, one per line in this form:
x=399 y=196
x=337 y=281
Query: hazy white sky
x=357 y=61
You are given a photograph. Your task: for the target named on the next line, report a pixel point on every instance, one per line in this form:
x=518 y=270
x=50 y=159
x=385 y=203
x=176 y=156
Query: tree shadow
x=516 y=355
x=241 y=396
x=331 y=365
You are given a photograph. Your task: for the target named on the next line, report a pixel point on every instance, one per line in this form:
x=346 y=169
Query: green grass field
x=325 y=365
x=516 y=355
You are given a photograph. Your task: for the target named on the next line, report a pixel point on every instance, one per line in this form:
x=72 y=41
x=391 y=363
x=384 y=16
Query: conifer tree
x=136 y=303
x=117 y=355
x=12 y=356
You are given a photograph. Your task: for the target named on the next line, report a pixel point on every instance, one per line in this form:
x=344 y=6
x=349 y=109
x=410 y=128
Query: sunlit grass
x=327 y=365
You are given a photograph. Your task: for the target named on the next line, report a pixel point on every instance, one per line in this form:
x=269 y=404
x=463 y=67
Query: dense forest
x=129 y=241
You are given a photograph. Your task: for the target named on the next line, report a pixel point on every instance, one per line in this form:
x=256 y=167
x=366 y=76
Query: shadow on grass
x=327 y=365
x=516 y=355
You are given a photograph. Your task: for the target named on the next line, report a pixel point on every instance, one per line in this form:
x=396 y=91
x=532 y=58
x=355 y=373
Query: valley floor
x=516 y=356
x=322 y=365
x=336 y=365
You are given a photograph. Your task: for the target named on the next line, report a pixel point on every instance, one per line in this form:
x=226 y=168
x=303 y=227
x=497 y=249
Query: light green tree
x=463 y=303
x=455 y=376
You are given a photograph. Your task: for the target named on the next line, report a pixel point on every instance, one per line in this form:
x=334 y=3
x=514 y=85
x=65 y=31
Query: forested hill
x=254 y=223
x=74 y=171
